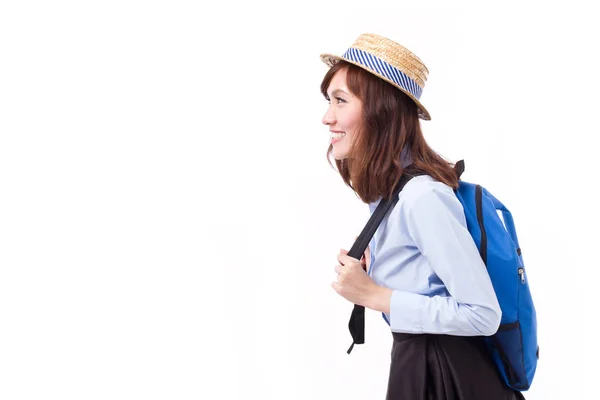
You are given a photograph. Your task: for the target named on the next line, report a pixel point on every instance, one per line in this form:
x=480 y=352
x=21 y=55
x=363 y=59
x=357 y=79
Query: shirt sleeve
x=435 y=221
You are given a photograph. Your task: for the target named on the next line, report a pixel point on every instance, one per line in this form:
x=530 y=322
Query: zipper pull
x=522 y=274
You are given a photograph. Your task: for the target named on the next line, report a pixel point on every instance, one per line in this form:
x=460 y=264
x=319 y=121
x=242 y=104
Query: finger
x=337 y=287
x=342 y=251
x=345 y=259
x=339 y=269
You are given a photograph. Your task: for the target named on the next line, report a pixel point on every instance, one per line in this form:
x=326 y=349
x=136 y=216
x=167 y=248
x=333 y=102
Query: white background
x=169 y=224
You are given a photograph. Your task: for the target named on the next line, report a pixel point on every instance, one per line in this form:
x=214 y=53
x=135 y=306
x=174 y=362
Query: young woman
x=422 y=270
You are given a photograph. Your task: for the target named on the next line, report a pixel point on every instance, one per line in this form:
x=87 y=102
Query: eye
x=340 y=100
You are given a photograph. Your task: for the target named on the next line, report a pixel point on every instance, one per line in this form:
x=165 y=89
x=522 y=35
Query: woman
x=422 y=269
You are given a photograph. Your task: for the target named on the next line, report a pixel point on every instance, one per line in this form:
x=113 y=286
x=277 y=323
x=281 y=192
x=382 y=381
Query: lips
x=336 y=136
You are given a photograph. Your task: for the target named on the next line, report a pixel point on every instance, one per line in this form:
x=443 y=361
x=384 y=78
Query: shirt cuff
x=405 y=312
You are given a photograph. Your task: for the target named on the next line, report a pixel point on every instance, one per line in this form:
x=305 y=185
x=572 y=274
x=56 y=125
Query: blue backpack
x=514 y=346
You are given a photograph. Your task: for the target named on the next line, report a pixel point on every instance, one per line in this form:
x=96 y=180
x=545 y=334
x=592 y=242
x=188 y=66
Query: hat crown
x=394 y=54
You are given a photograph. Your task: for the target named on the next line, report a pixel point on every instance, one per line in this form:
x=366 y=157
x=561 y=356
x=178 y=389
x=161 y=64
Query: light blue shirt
x=423 y=252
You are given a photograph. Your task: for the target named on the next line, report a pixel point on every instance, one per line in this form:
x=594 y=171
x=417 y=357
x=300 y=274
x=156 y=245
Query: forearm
x=414 y=313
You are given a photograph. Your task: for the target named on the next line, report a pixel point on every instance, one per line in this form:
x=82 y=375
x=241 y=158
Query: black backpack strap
x=459 y=168
x=357 y=319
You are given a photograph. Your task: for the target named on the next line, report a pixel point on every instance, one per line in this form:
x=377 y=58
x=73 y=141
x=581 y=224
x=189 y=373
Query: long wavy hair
x=390 y=127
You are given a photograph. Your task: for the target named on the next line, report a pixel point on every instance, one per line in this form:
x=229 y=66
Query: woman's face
x=343 y=115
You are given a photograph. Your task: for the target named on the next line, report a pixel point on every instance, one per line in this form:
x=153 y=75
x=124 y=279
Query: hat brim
x=331 y=59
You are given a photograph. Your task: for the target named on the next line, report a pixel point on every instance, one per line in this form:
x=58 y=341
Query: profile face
x=343 y=115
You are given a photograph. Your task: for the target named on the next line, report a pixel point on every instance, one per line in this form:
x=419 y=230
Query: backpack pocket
x=507 y=349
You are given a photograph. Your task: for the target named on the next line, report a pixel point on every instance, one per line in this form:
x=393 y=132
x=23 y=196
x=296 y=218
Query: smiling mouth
x=337 y=136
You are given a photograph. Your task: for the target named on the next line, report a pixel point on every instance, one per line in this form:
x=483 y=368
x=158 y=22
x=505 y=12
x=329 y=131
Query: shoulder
x=423 y=194
x=424 y=187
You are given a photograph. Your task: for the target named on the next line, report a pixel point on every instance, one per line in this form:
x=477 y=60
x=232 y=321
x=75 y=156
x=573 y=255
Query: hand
x=353 y=283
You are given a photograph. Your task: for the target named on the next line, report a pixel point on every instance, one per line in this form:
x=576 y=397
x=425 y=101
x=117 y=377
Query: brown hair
x=390 y=124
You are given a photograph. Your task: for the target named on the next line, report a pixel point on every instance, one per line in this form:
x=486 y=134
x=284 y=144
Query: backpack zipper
x=522 y=274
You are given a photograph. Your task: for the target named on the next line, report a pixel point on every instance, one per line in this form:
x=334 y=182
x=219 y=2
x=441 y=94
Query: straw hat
x=389 y=61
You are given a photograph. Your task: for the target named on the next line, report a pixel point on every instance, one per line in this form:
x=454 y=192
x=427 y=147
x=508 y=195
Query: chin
x=339 y=154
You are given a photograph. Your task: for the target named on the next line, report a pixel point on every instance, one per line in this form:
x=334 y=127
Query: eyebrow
x=337 y=92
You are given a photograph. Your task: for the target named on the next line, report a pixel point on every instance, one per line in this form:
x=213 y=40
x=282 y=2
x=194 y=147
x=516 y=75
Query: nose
x=329 y=117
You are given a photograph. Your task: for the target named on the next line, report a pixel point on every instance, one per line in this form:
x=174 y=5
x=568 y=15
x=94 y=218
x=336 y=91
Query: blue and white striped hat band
x=389 y=61
x=382 y=68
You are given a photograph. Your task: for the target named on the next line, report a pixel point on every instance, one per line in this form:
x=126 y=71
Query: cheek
x=352 y=126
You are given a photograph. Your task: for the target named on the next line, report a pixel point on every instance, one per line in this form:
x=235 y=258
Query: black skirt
x=444 y=367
